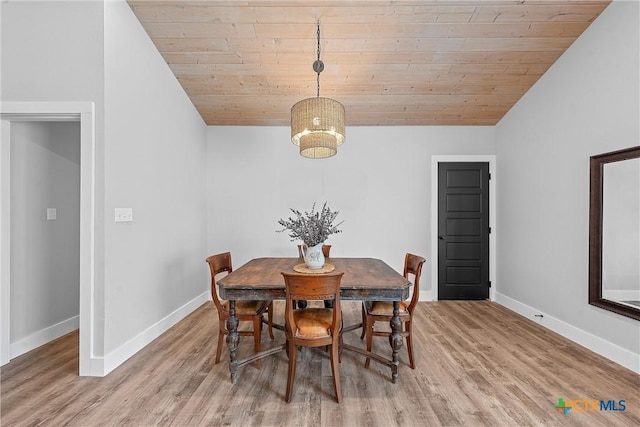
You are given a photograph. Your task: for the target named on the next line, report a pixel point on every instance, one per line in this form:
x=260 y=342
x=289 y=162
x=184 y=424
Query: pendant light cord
x=318 y=65
x=319 y=68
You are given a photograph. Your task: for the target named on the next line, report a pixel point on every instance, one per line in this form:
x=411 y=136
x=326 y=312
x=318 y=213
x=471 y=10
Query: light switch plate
x=124 y=214
x=52 y=214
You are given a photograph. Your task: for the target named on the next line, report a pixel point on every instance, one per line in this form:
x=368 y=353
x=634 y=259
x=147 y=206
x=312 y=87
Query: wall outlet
x=52 y=214
x=124 y=214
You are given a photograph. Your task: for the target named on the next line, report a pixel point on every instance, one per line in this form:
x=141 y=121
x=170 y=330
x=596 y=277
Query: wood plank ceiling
x=390 y=62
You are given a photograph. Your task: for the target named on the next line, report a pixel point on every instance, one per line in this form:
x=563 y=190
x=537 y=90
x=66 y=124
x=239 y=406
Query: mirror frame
x=596 y=172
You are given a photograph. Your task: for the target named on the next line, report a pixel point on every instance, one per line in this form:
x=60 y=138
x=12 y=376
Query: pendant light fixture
x=317 y=124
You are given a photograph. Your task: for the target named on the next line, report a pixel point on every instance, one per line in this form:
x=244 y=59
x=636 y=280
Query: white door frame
x=53 y=111
x=491 y=159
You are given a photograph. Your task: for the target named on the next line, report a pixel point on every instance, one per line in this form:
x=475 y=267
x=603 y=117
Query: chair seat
x=385 y=308
x=246 y=307
x=313 y=322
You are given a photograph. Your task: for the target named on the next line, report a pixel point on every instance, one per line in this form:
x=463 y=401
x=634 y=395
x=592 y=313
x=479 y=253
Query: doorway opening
x=82 y=112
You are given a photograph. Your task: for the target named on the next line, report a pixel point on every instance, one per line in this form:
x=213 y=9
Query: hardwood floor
x=477 y=364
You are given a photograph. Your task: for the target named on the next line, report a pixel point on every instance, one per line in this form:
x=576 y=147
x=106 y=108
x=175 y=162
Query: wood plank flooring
x=477 y=364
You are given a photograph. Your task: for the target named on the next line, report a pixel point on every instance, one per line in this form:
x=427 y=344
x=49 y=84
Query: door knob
x=442 y=237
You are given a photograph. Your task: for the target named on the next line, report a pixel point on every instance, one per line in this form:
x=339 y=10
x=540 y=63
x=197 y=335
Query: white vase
x=313 y=256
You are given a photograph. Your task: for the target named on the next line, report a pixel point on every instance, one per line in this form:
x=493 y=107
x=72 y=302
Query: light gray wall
x=155 y=163
x=586 y=104
x=50 y=45
x=380 y=181
x=45 y=173
x=54 y=51
x=149 y=156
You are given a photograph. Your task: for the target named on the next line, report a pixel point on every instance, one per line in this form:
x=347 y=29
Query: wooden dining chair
x=313 y=327
x=382 y=311
x=325 y=251
x=252 y=311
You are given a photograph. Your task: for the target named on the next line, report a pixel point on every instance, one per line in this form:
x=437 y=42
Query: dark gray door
x=463 y=230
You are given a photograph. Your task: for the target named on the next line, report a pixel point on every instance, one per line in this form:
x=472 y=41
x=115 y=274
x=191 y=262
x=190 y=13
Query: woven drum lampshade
x=317 y=127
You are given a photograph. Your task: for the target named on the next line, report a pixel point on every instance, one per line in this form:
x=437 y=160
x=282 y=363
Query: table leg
x=232 y=340
x=395 y=339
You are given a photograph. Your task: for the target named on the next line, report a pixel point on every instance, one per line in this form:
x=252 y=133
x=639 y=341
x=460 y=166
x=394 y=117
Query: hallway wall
x=45 y=254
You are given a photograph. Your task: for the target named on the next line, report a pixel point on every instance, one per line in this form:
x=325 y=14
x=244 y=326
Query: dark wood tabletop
x=364 y=279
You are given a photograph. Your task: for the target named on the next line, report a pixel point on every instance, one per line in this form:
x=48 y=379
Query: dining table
x=365 y=279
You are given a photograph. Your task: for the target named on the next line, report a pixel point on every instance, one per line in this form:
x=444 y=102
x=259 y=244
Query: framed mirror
x=614 y=232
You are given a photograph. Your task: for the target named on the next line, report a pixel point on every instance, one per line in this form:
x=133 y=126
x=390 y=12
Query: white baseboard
x=604 y=348
x=102 y=366
x=43 y=336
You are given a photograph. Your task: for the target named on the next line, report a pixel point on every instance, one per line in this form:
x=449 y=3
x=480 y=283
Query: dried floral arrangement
x=311 y=227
